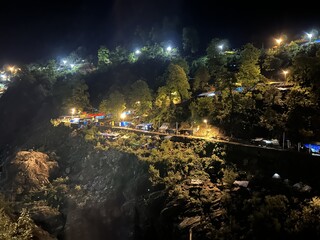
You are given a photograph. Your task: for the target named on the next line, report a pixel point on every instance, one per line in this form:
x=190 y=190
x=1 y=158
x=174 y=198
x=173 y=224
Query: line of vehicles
x=99 y=119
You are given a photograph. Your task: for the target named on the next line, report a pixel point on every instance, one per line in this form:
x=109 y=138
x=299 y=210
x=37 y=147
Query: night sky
x=33 y=30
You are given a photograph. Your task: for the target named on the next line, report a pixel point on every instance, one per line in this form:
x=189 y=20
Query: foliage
x=154 y=175
x=201 y=108
x=201 y=79
x=268 y=218
x=55 y=122
x=21 y=229
x=119 y=55
x=229 y=176
x=114 y=104
x=90 y=133
x=79 y=98
x=140 y=97
x=182 y=63
x=54 y=193
x=305 y=222
x=216 y=60
x=249 y=70
x=103 y=56
x=177 y=83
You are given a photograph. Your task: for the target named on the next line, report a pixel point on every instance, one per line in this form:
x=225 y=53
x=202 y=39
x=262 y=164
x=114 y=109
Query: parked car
x=145 y=126
x=163 y=127
x=265 y=142
x=186 y=131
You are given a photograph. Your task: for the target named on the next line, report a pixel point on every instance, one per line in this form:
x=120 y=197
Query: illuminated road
x=210 y=139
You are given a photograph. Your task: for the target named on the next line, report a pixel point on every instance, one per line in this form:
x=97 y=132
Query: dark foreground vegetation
x=87 y=187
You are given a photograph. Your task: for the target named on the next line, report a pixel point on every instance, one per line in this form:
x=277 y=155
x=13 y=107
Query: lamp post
x=73 y=111
x=285 y=72
x=278 y=41
x=206 y=122
x=310 y=35
x=123 y=116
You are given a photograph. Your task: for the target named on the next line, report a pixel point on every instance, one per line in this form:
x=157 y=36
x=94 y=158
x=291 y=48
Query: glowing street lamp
x=137 y=52
x=11 y=69
x=285 y=72
x=206 y=122
x=220 y=47
x=169 y=49
x=278 y=41
x=73 y=111
x=310 y=35
x=3 y=76
x=123 y=116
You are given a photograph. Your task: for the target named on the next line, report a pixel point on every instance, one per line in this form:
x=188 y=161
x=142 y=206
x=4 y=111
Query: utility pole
x=177 y=128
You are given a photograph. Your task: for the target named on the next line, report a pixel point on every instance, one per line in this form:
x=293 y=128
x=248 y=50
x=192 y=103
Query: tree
x=119 y=55
x=201 y=79
x=139 y=97
x=217 y=60
x=272 y=116
x=79 y=98
x=103 y=56
x=249 y=70
x=177 y=83
x=114 y=104
x=201 y=108
x=182 y=63
x=271 y=65
x=164 y=107
x=305 y=71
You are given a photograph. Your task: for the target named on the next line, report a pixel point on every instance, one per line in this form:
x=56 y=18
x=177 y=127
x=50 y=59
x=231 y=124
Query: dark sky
x=32 y=30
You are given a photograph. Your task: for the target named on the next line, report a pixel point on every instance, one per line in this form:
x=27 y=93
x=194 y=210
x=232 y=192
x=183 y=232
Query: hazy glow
x=169 y=48
x=3 y=76
x=285 y=72
x=123 y=115
x=310 y=35
x=276 y=176
x=278 y=40
x=137 y=52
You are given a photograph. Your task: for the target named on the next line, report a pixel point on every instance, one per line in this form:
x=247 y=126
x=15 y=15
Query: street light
x=137 y=52
x=279 y=41
x=310 y=35
x=285 y=72
x=206 y=122
x=73 y=111
x=123 y=116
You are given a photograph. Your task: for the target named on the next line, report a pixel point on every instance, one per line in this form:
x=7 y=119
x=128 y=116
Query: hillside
x=68 y=182
x=80 y=189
